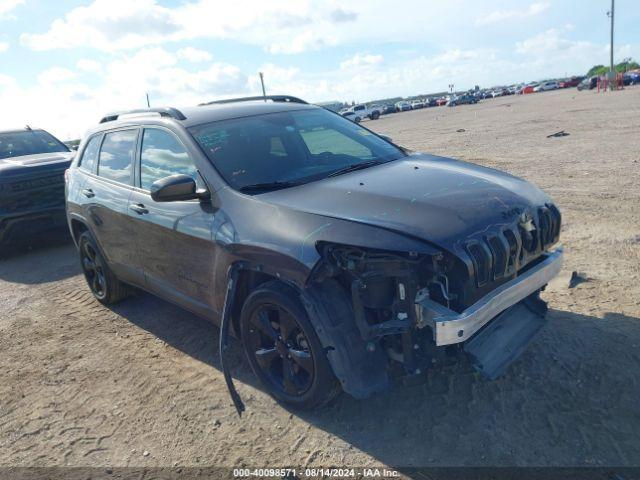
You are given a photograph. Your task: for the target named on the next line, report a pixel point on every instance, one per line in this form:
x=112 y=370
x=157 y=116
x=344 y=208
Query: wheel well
x=77 y=229
x=248 y=281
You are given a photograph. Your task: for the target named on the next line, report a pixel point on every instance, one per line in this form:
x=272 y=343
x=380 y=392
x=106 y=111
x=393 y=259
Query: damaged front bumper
x=451 y=327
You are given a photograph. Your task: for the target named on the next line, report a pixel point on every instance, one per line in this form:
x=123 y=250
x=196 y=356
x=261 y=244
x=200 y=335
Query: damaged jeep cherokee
x=340 y=260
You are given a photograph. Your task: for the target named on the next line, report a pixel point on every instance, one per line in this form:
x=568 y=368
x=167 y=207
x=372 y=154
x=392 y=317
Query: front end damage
x=410 y=308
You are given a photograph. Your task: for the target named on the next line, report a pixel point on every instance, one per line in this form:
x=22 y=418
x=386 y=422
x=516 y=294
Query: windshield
x=29 y=142
x=289 y=147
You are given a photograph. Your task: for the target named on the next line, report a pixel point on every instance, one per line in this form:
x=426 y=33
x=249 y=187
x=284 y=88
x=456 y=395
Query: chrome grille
x=501 y=254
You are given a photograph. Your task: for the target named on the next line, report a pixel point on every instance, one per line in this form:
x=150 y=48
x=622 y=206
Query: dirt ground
x=140 y=384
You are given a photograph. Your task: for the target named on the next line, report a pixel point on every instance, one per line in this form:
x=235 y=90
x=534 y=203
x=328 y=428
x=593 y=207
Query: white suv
x=359 y=112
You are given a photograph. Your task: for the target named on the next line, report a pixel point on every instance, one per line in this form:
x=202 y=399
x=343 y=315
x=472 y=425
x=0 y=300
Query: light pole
x=612 y=72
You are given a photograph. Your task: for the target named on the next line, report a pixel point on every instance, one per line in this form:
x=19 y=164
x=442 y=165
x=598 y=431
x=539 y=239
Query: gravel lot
x=140 y=384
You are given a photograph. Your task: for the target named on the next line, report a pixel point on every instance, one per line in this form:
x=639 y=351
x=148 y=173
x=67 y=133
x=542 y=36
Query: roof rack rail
x=273 y=98
x=163 y=111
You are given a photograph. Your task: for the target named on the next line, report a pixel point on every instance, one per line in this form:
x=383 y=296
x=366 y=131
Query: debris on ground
x=561 y=133
x=577 y=278
x=460 y=130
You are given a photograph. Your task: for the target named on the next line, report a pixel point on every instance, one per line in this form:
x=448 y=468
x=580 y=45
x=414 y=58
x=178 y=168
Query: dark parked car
x=463 y=99
x=588 y=83
x=340 y=259
x=631 y=78
x=388 y=109
x=32 y=165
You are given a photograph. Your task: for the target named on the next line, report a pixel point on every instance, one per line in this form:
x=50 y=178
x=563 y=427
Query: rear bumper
x=451 y=327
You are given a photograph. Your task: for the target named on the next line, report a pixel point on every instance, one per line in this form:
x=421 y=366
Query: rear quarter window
x=90 y=154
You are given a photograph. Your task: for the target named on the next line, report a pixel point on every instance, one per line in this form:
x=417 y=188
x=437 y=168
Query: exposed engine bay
x=419 y=307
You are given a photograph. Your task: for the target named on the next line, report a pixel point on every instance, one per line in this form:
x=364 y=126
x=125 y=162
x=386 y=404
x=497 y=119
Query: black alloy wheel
x=283 y=348
x=104 y=285
x=93 y=268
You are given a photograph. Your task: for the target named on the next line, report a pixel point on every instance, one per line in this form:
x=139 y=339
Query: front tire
x=104 y=285
x=283 y=348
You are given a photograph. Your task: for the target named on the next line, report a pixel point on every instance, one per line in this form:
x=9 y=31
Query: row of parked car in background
x=359 y=112
x=362 y=111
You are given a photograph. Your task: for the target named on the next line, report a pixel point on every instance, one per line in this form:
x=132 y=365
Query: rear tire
x=102 y=282
x=283 y=348
x=375 y=115
x=357 y=120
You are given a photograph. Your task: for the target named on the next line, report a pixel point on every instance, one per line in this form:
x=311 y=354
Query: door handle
x=87 y=192
x=139 y=208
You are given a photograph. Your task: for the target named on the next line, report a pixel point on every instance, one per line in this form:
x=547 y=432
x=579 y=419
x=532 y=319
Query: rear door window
x=90 y=154
x=116 y=155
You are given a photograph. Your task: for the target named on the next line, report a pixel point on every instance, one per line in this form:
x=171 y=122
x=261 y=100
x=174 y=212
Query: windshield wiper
x=355 y=166
x=266 y=186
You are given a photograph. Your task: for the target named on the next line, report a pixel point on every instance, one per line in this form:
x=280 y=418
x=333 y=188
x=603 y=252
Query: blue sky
x=65 y=63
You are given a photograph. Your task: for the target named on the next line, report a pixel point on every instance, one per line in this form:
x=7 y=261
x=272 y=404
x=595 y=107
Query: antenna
x=264 y=93
x=148 y=102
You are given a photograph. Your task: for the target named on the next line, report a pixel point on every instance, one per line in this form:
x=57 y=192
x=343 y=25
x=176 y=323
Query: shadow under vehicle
x=340 y=259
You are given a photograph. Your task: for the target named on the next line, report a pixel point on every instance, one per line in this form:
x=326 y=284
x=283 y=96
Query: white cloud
x=179 y=87
x=107 y=25
x=6 y=6
x=277 y=27
x=499 y=16
x=89 y=65
x=55 y=75
x=286 y=26
x=282 y=26
x=6 y=80
x=4 y=46
x=551 y=41
x=61 y=102
x=361 y=59
x=194 y=55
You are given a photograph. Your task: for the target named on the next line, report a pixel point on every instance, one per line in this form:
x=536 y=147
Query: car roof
x=226 y=111
x=198 y=115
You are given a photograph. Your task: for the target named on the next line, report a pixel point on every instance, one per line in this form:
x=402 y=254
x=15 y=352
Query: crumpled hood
x=433 y=198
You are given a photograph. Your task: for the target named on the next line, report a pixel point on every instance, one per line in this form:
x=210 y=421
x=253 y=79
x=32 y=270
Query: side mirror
x=175 y=188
